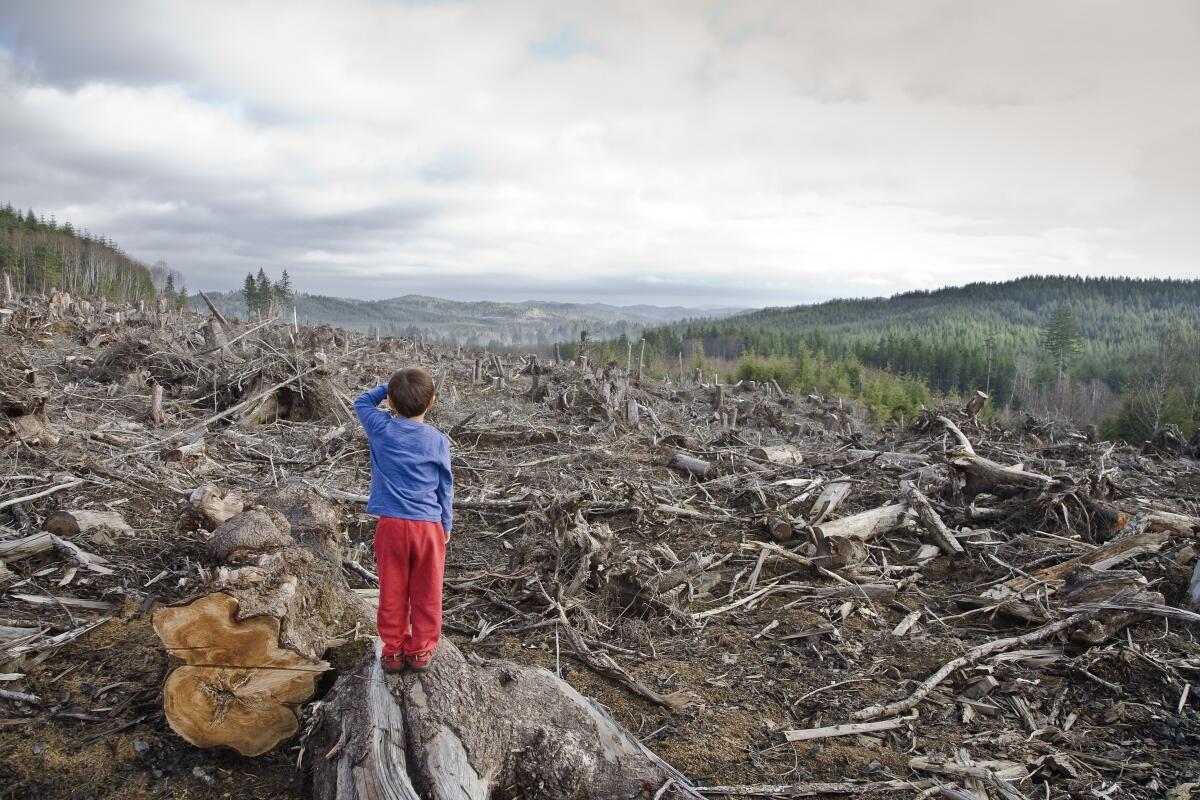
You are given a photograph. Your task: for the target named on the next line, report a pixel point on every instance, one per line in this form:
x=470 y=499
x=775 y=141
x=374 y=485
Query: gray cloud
x=674 y=152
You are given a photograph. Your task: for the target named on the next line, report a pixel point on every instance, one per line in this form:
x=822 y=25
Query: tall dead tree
x=583 y=349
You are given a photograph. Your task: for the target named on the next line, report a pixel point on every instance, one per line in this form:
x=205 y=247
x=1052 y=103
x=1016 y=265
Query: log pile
x=654 y=589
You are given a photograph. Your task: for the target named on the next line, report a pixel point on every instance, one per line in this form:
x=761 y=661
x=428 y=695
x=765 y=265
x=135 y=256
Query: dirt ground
x=1113 y=720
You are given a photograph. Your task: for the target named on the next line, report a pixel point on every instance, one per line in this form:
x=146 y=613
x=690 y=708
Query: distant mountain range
x=534 y=322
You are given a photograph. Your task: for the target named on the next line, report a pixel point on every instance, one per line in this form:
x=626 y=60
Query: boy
x=411 y=492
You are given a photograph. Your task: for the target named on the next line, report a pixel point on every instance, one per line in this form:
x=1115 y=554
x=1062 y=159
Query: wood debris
x=765 y=598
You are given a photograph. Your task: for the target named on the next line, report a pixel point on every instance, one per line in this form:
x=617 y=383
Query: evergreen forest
x=40 y=254
x=1120 y=352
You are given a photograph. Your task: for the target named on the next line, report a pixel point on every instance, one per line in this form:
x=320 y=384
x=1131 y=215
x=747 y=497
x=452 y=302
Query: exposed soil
x=1115 y=719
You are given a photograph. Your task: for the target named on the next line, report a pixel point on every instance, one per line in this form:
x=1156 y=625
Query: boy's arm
x=373 y=419
x=445 y=490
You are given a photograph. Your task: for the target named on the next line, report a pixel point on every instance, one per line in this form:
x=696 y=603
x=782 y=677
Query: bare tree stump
x=468 y=730
x=251 y=648
x=976 y=404
x=156 y=415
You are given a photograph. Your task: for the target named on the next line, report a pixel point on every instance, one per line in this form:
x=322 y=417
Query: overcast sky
x=719 y=153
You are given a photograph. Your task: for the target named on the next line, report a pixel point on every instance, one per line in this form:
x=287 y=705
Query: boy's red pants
x=410 y=556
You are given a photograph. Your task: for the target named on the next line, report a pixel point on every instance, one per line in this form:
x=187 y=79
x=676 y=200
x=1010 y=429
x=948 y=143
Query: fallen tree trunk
x=866 y=524
x=981 y=475
x=1103 y=557
x=691 y=465
x=942 y=536
x=71 y=523
x=467 y=730
x=842 y=541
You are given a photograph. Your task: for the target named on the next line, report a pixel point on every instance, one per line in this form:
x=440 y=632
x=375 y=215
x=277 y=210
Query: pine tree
x=181 y=299
x=250 y=293
x=263 y=293
x=169 y=287
x=1061 y=339
x=283 y=290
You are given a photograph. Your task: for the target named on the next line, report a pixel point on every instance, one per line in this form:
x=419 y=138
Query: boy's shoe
x=419 y=662
x=394 y=663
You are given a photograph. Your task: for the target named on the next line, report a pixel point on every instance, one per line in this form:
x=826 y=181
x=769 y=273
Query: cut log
x=933 y=525
x=691 y=465
x=252 y=646
x=866 y=524
x=842 y=551
x=1168 y=522
x=842 y=541
x=213 y=508
x=186 y=452
x=72 y=523
x=779 y=454
x=828 y=501
x=780 y=529
x=467 y=730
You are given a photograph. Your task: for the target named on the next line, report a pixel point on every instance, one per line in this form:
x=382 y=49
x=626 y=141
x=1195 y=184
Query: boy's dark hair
x=410 y=391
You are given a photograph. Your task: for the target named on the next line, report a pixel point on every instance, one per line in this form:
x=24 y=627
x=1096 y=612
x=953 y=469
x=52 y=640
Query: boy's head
x=410 y=391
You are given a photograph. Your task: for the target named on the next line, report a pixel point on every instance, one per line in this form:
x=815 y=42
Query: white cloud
x=750 y=152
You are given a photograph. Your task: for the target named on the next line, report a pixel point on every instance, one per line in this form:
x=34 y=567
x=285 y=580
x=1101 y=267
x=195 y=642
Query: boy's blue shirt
x=410 y=464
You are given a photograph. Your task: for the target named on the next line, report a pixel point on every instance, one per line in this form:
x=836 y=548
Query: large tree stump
x=471 y=730
x=252 y=647
x=251 y=650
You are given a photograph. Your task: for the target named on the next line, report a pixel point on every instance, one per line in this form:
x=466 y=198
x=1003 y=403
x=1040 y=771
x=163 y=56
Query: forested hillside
x=1128 y=334
x=477 y=324
x=40 y=254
